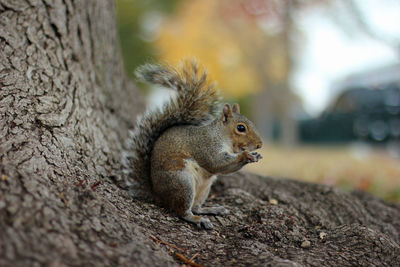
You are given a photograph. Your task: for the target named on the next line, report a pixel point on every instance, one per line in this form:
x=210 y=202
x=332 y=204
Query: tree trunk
x=65 y=107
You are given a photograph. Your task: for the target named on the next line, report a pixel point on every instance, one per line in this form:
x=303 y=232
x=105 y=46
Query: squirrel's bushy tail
x=197 y=101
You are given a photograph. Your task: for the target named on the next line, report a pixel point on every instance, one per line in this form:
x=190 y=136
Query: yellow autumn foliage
x=197 y=30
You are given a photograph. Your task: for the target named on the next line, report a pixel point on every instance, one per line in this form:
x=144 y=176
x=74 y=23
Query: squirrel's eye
x=241 y=128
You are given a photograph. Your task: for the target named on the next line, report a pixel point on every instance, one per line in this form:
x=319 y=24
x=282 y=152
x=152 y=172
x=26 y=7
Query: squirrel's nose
x=258 y=146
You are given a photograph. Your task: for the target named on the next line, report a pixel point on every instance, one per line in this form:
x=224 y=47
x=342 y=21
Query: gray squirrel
x=179 y=150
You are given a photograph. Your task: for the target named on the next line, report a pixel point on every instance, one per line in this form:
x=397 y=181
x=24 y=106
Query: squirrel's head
x=242 y=131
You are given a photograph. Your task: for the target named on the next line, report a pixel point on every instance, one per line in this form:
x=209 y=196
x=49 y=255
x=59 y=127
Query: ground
x=280 y=222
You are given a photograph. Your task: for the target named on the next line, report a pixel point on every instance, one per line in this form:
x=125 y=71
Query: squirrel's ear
x=226 y=112
x=236 y=108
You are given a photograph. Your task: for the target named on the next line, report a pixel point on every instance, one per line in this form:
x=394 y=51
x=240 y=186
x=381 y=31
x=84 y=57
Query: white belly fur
x=202 y=181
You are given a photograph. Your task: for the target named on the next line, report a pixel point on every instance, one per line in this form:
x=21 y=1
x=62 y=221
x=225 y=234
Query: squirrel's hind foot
x=198 y=220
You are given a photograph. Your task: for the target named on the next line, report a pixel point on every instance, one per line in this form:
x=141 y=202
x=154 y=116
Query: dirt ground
x=276 y=222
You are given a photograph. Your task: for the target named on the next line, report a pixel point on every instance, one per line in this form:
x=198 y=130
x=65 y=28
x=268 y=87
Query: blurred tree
x=137 y=22
x=197 y=30
x=264 y=34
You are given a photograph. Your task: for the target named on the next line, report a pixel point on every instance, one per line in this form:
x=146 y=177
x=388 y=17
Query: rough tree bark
x=65 y=108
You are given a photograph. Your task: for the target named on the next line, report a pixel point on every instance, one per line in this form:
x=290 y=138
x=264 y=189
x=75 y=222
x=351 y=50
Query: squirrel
x=179 y=150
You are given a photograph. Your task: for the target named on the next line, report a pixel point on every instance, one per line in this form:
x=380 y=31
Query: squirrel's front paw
x=253 y=157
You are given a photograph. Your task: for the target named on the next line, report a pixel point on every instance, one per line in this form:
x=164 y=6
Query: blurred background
x=320 y=78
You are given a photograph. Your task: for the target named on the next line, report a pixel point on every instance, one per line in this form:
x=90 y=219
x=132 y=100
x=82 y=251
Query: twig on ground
x=194 y=256
x=165 y=243
x=181 y=257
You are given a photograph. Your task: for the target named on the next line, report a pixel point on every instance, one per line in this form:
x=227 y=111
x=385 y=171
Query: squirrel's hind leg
x=201 y=197
x=177 y=191
x=186 y=213
x=185 y=210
